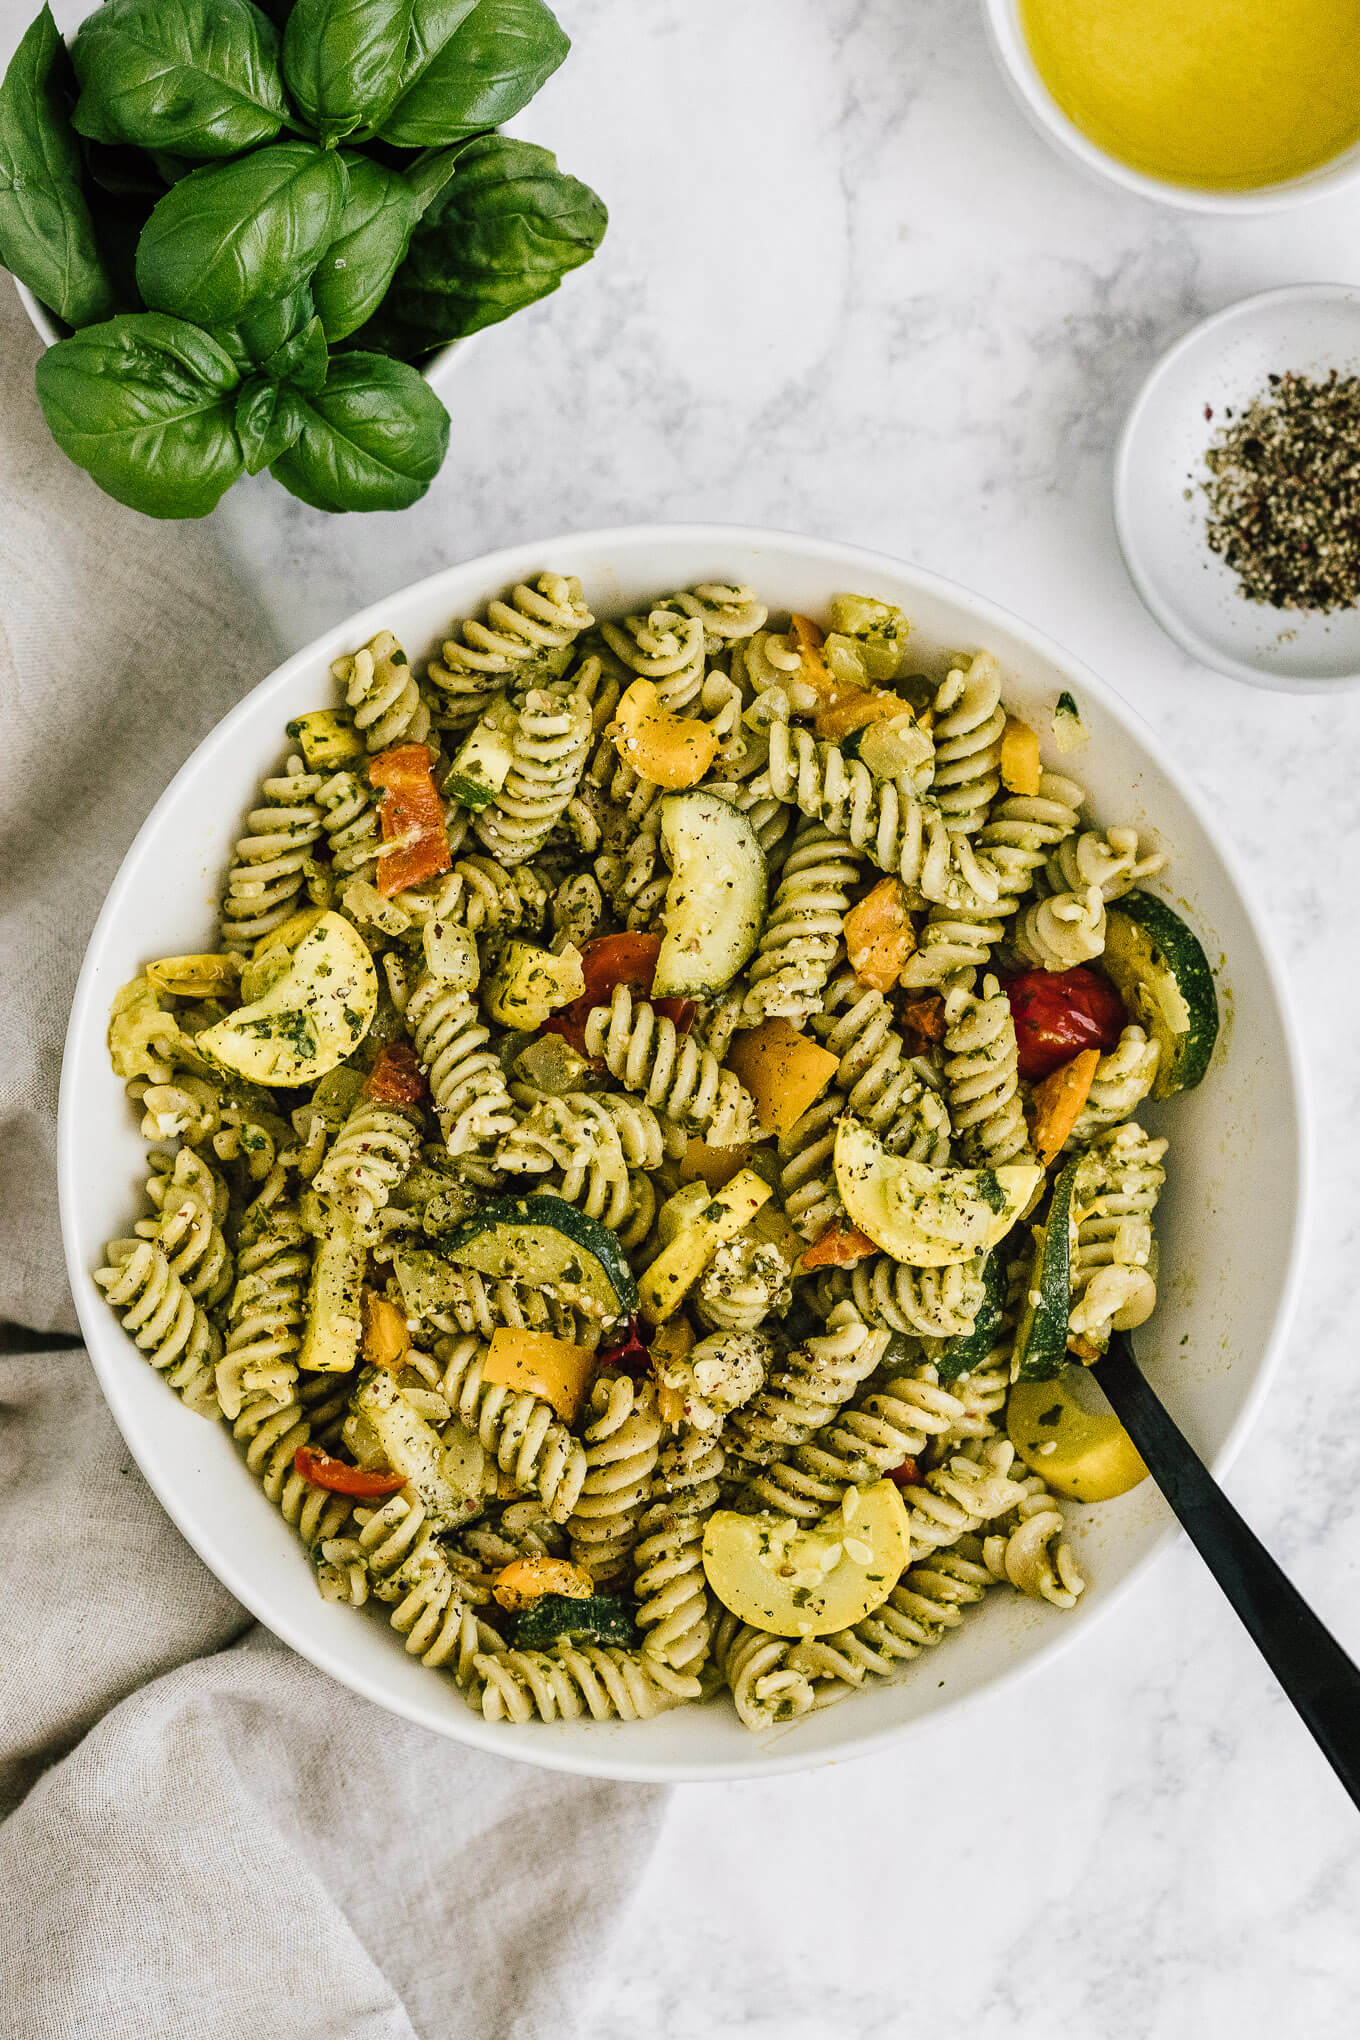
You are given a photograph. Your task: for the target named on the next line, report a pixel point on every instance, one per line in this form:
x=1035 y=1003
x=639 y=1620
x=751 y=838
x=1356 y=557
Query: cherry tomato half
x=1058 y=1013
x=626 y=959
x=324 y=1471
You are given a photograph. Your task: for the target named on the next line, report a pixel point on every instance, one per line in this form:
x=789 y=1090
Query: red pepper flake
x=396 y=1078
x=415 y=842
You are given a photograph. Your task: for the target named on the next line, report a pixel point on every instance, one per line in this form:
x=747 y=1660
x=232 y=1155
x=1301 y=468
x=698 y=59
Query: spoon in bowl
x=1316 y=1674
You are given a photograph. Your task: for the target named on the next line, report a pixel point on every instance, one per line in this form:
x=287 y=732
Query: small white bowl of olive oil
x=1226 y=106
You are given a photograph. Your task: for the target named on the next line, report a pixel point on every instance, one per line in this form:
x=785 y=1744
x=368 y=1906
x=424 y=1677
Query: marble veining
x=847 y=290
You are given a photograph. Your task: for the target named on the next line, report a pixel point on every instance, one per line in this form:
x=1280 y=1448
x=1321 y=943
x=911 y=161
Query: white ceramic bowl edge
x=1230 y=1223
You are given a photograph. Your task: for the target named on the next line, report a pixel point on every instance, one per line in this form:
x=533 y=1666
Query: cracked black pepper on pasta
x=1284 y=493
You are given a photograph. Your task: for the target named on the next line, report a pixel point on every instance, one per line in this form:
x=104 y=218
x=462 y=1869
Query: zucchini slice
x=927 y=1217
x=311 y=1018
x=482 y=765
x=1163 y=976
x=545 y=1242
x=603 y=1618
x=960 y=1355
x=1041 y=1337
x=715 y=902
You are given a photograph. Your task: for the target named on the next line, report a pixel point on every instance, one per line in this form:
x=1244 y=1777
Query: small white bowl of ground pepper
x=1237 y=489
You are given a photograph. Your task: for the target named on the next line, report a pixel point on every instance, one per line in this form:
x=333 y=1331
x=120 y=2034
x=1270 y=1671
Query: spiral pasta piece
x=272 y=1433
x=802 y=932
x=493 y=901
x=576 y=909
x=1113 y=1197
x=931 y=1303
x=882 y=818
x=768 y=665
x=520 y=1430
x=273 y=858
x=191 y=1202
x=1033 y=1554
x=1111 y=859
x=1123 y=1078
x=672 y=1593
x=167 y=1325
x=969 y=722
x=381 y=689
x=268 y=1310
x=551 y=740
x=565 y=1683
x=372 y=1152
x=1012 y=846
x=664 y=648
x=1062 y=931
x=804 y=1391
x=622 y=1434
x=890 y=1091
x=767 y=1690
x=350 y=814
x=745 y=1282
x=981 y=1074
x=925 y=1606
x=646 y=1053
x=726 y=609
x=478 y=1304
x=526 y=638
x=807 y=1176
x=467 y=1084
x=884 y=1424
x=958 y=1497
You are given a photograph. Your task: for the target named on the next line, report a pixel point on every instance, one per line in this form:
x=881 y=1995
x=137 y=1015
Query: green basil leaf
x=199 y=77
x=145 y=405
x=46 y=234
x=380 y=214
x=301 y=361
x=263 y=328
x=504 y=232
x=239 y=232
x=373 y=440
x=269 y=418
x=475 y=73
x=342 y=60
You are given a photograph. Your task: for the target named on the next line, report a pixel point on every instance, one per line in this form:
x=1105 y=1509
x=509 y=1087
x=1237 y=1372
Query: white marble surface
x=847 y=290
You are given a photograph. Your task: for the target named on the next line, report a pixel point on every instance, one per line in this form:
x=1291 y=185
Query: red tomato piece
x=396 y=1078
x=415 y=843
x=627 y=959
x=1058 y=1013
x=908 y=1474
x=629 y=1353
x=342 y=1479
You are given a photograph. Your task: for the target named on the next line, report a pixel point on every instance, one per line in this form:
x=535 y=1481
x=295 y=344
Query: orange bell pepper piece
x=841 y=1246
x=879 y=936
x=1058 y=1100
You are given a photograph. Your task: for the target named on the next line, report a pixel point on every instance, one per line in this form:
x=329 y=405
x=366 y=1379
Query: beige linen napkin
x=202 y=1836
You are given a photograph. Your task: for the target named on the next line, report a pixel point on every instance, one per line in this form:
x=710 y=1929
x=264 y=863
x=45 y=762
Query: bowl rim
x=1011 y=51
x=500 y=567
x=1173 y=620
x=433 y=368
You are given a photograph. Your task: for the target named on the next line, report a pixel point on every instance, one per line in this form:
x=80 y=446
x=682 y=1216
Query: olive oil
x=1228 y=95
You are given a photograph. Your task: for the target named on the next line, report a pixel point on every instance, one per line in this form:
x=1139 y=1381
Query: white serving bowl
x=435 y=370
x=1160 y=508
x=1012 y=53
x=1230 y=1221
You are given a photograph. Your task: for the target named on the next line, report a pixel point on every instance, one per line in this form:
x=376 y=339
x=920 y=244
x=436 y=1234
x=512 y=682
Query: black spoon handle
x=1307 y=1660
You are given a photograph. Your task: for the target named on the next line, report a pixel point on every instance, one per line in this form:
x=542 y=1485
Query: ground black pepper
x=1284 y=496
